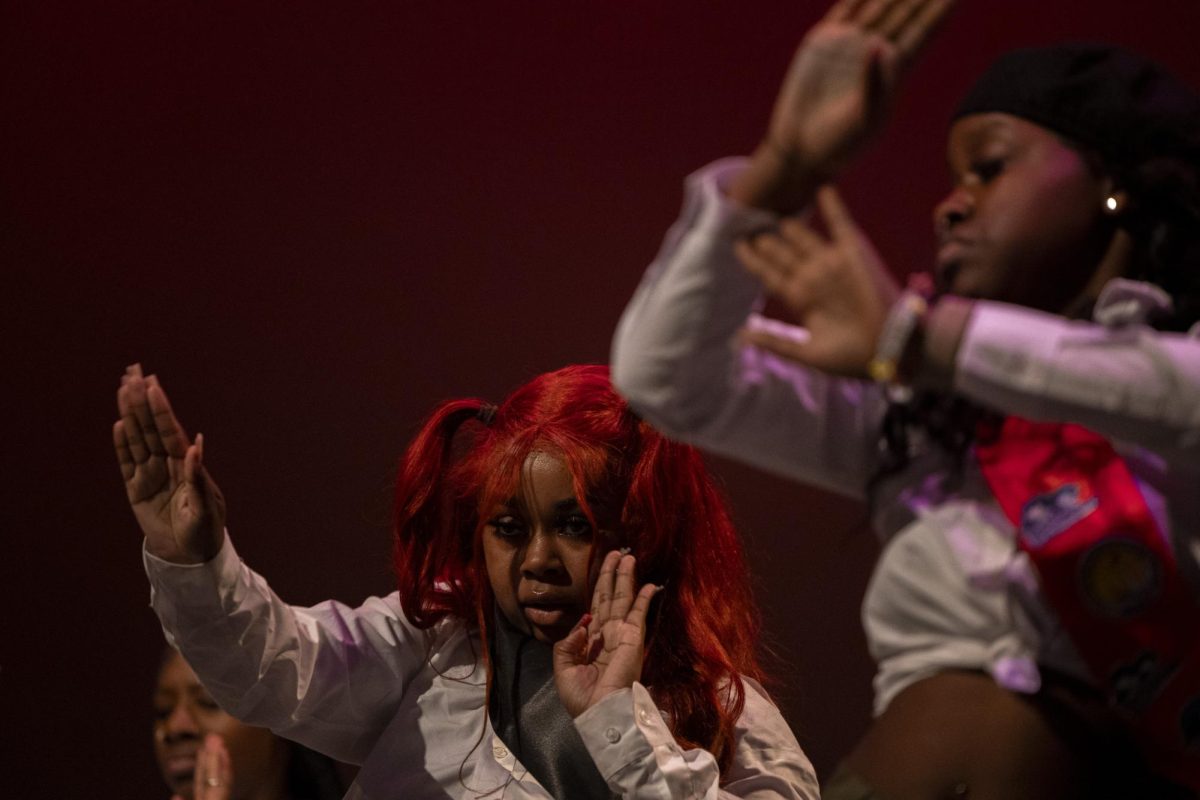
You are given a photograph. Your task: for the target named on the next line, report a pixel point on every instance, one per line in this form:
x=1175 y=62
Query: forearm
x=1131 y=383
x=323 y=676
x=777 y=180
x=638 y=756
x=677 y=330
x=677 y=360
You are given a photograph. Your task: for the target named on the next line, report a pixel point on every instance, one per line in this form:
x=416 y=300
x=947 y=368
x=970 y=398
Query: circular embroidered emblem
x=1120 y=577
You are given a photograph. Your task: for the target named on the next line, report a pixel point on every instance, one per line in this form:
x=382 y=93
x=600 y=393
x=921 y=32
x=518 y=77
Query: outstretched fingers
x=908 y=24
x=871 y=15
x=842 y=227
x=899 y=15
x=602 y=597
x=124 y=456
x=641 y=607
x=784 y=261
x=173 y=440
x=141 y=407
x=623 y=589
x=131 y=395
x=791 y=348
x=766 y=257
x=845 y=10
x=917 y=30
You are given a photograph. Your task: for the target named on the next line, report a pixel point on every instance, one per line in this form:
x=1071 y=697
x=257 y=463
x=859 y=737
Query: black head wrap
x=1127 y=107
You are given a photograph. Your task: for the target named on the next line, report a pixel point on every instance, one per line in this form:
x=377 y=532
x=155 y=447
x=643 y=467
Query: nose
x=541 y=560
x=180 y=722
x=953 y=209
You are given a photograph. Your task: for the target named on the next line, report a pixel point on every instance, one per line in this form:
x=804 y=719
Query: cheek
x=159 y=736
x=498 y=560
x=1051 y=228
x=583 y=569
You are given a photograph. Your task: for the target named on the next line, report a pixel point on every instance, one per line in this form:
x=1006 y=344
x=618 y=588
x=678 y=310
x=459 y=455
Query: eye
x=988 y=168
x=507 y=527
x=576 y=526
x=207 y=703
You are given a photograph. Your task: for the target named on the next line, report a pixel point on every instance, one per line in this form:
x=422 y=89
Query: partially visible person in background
x=206 y=754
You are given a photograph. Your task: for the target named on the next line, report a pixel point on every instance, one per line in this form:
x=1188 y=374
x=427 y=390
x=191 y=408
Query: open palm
x=178 y=507
x=603 y=654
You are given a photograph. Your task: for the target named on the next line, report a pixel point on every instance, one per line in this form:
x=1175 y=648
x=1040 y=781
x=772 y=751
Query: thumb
x=570 y=651
x=837 y=217
x=789 y=347
x=193 y=462
x=879 y=78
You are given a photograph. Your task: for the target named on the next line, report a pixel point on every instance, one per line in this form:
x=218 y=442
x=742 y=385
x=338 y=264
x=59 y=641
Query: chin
x=550 y=635
x=183 y=788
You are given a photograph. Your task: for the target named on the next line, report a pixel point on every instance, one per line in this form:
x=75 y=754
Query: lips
x=549 y=615
x=180 y=767
x=952 y=251
x=950 y=258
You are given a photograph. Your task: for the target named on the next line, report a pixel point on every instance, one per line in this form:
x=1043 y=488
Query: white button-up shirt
x=951 y=588
x=365 y=686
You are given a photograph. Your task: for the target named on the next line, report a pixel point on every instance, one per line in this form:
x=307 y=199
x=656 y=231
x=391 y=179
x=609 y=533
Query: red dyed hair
x=704 y=625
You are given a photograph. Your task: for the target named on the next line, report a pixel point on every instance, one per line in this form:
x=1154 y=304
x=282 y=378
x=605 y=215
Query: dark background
x=314 y=221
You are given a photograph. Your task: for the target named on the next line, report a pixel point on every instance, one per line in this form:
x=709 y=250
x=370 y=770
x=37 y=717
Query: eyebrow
x=566 y=504
x=992 y=128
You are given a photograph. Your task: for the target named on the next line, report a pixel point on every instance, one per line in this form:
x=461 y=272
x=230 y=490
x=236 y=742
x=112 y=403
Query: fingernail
x=624 y=551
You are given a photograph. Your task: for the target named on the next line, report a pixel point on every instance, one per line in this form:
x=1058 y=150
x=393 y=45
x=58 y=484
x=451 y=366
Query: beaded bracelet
x=898 y=329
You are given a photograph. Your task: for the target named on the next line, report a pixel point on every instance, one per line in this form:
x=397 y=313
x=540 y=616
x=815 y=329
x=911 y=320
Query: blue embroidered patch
x=1047 y=515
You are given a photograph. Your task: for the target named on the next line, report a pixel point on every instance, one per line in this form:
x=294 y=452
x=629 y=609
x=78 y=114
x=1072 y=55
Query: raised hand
x=213 y=779
x=835 y=96
x=839 y=289
x=179 y=508
x=603 y=653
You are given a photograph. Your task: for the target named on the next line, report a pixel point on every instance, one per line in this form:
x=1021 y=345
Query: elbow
x=645 y=385
x=657 y=389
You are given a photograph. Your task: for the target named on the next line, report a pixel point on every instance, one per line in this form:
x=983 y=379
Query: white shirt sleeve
x=639 y=758
x=329 y=676
x=676 y=360
x=1131 y=383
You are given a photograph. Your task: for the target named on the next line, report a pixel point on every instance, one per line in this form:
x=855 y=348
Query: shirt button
x=499 y=751
x=613 y=735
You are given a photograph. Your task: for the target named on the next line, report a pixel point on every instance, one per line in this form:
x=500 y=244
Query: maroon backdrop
x=315 y=221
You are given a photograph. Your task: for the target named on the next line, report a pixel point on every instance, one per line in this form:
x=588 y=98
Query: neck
x=1115 y=263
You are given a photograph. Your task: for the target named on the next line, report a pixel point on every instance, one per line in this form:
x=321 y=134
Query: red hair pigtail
x=432 y=556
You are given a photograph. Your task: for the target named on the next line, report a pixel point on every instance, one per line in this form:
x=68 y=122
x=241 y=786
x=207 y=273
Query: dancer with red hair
x=488 y=673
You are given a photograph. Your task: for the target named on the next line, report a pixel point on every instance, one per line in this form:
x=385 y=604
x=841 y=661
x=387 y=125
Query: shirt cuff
x=193 y=591
x=719 y=215
x=622 y=731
